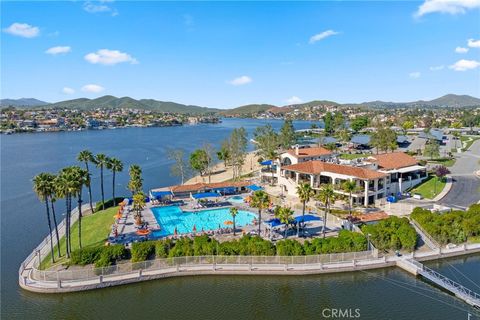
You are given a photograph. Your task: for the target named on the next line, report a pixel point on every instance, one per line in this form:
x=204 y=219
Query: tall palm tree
x=261 y=201
x=233 y=213
x=138 y=205
x=41 y=186
x=81 y=179
x=115 y=166
x=304 y=192
x=66 y=186
x=285 y=215
x=52 y=195
x=86 y=157
x=350 y=186
x=135 y=184
x=327 y=196
x=101 y=161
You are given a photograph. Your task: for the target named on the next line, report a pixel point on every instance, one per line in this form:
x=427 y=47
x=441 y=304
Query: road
x=466 y=185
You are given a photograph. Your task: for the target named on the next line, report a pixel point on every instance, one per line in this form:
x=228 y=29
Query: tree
x=287 y=134
x=80 y=179
x=233 y=213
x=338 y=121
x=327 y=196
x=237 y=151
x=138 y=205
x=199 y=161
x=267 y=143
x=42 y=187
x=407 y=125
x=440 y=172
x=101 y=161
x=115 y=166
x=179 y=168
x=86 y=157
x=135 y=184
x=304 y=192
x=224 y=153
x=384 y=139
x=350 y=186
x=261 y=201
x=432 y=149
x=65 y=187
x=328 y=122
x=359 y=123
x=53 y=198
x=285 y=215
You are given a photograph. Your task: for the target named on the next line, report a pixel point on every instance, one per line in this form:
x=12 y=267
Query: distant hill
x=127 y=102
x=449 y=100
x=22 y=102
x=248 y=109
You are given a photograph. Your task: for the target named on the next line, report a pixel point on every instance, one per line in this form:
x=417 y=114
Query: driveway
x=466 y=185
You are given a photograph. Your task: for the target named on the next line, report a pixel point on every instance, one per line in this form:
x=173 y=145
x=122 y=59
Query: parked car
x=417 y=196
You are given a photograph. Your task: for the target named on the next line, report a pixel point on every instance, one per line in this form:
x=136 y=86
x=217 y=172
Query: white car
x=417 y=196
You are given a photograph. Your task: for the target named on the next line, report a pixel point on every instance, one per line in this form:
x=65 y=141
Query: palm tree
x=285 y=215
x=260 y=200
x=41 y=186
x=86 y=156
x=304 y=192
x=82 y=178
x=233 y=213
x=65 y=187
x=138 y=205
x=101 y=161
x=116 y=166
x=135 y=184
x=52 y=195
x=349 y=186
x=327 y=196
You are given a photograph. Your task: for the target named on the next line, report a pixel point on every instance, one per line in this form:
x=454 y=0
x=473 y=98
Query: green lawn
x=427 y=188
x=95 y=230
x=468 y=141
x=445 y=161
x=351 y=156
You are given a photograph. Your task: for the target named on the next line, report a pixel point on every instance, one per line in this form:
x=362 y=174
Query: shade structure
x=205 y=195
x=254 y=187
x=266 y=163
x=306 y=218
x=160 y=194
x=273 y=222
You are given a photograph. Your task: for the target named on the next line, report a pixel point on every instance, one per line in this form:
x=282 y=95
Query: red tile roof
x=394 y=160
x=309 y=152
x=317 y=167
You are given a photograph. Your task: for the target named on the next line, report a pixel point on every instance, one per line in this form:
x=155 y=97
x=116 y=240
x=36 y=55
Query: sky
x=227 y=54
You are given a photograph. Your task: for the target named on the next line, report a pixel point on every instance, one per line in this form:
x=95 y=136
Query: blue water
x=236 y=199
x=172 y=217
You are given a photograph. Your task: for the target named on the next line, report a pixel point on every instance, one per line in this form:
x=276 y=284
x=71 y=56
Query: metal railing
x=433 y=243
x=184 y=262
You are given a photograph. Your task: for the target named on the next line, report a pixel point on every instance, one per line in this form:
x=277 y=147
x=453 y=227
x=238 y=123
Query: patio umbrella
x=194 y=228
x=175 y=231
x=228 y=222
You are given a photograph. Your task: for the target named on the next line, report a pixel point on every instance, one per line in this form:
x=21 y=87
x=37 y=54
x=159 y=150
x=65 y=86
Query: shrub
x=100 y=256
x=108 y=203
x=289 y=248
x=204 y=246
x=183 y=247
x=392 y=233
x=85 y=256
x=142 y=251
x=162 y=248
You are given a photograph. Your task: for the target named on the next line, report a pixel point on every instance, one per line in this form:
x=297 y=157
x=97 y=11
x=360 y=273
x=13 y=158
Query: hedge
x=142 y=251
x=108 y=203
x=100 y=256
x=393 y=233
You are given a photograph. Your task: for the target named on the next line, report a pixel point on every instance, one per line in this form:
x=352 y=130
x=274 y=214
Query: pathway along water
x=378 y=294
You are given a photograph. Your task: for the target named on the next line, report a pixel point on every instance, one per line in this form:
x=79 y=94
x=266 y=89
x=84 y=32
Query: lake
x=383 y=294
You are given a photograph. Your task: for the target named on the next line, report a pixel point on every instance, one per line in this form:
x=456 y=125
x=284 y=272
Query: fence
x=185 y=262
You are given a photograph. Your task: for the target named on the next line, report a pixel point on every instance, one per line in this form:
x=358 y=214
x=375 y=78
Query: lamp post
x=368 y=241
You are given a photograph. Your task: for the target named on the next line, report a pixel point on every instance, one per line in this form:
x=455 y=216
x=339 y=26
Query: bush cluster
x=393 y=233
x=100 y=256
x=142 y=251
x=452 y=227
x=108 y=203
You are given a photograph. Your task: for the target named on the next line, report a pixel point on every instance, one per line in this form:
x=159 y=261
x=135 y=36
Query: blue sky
x=226 y=54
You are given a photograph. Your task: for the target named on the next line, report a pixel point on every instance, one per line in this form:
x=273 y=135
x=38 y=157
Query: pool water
x=236 y=199
x=172 y=216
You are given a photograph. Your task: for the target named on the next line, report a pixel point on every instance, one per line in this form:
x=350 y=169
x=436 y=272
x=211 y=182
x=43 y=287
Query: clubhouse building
x=377 y=176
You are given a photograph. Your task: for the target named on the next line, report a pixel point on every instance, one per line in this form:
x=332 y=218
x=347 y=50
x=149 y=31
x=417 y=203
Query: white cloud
x=240 y=81
x=22 y=30
x=68 y=90
x=93 y=88
x=109 y=57
x=58 y=50
x=437 y=68
x=464 y=65
x=446 y=6
x=294 y=100
x=101 y=6
x=414 y=75
x=322 y=35
x=473 y=43
x=461 y=50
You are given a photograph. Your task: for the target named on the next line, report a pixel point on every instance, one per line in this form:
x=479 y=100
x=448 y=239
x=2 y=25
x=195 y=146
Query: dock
x=416 y=268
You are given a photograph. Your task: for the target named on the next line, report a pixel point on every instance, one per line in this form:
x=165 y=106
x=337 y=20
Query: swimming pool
x=236 y=199
x=211 y=219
